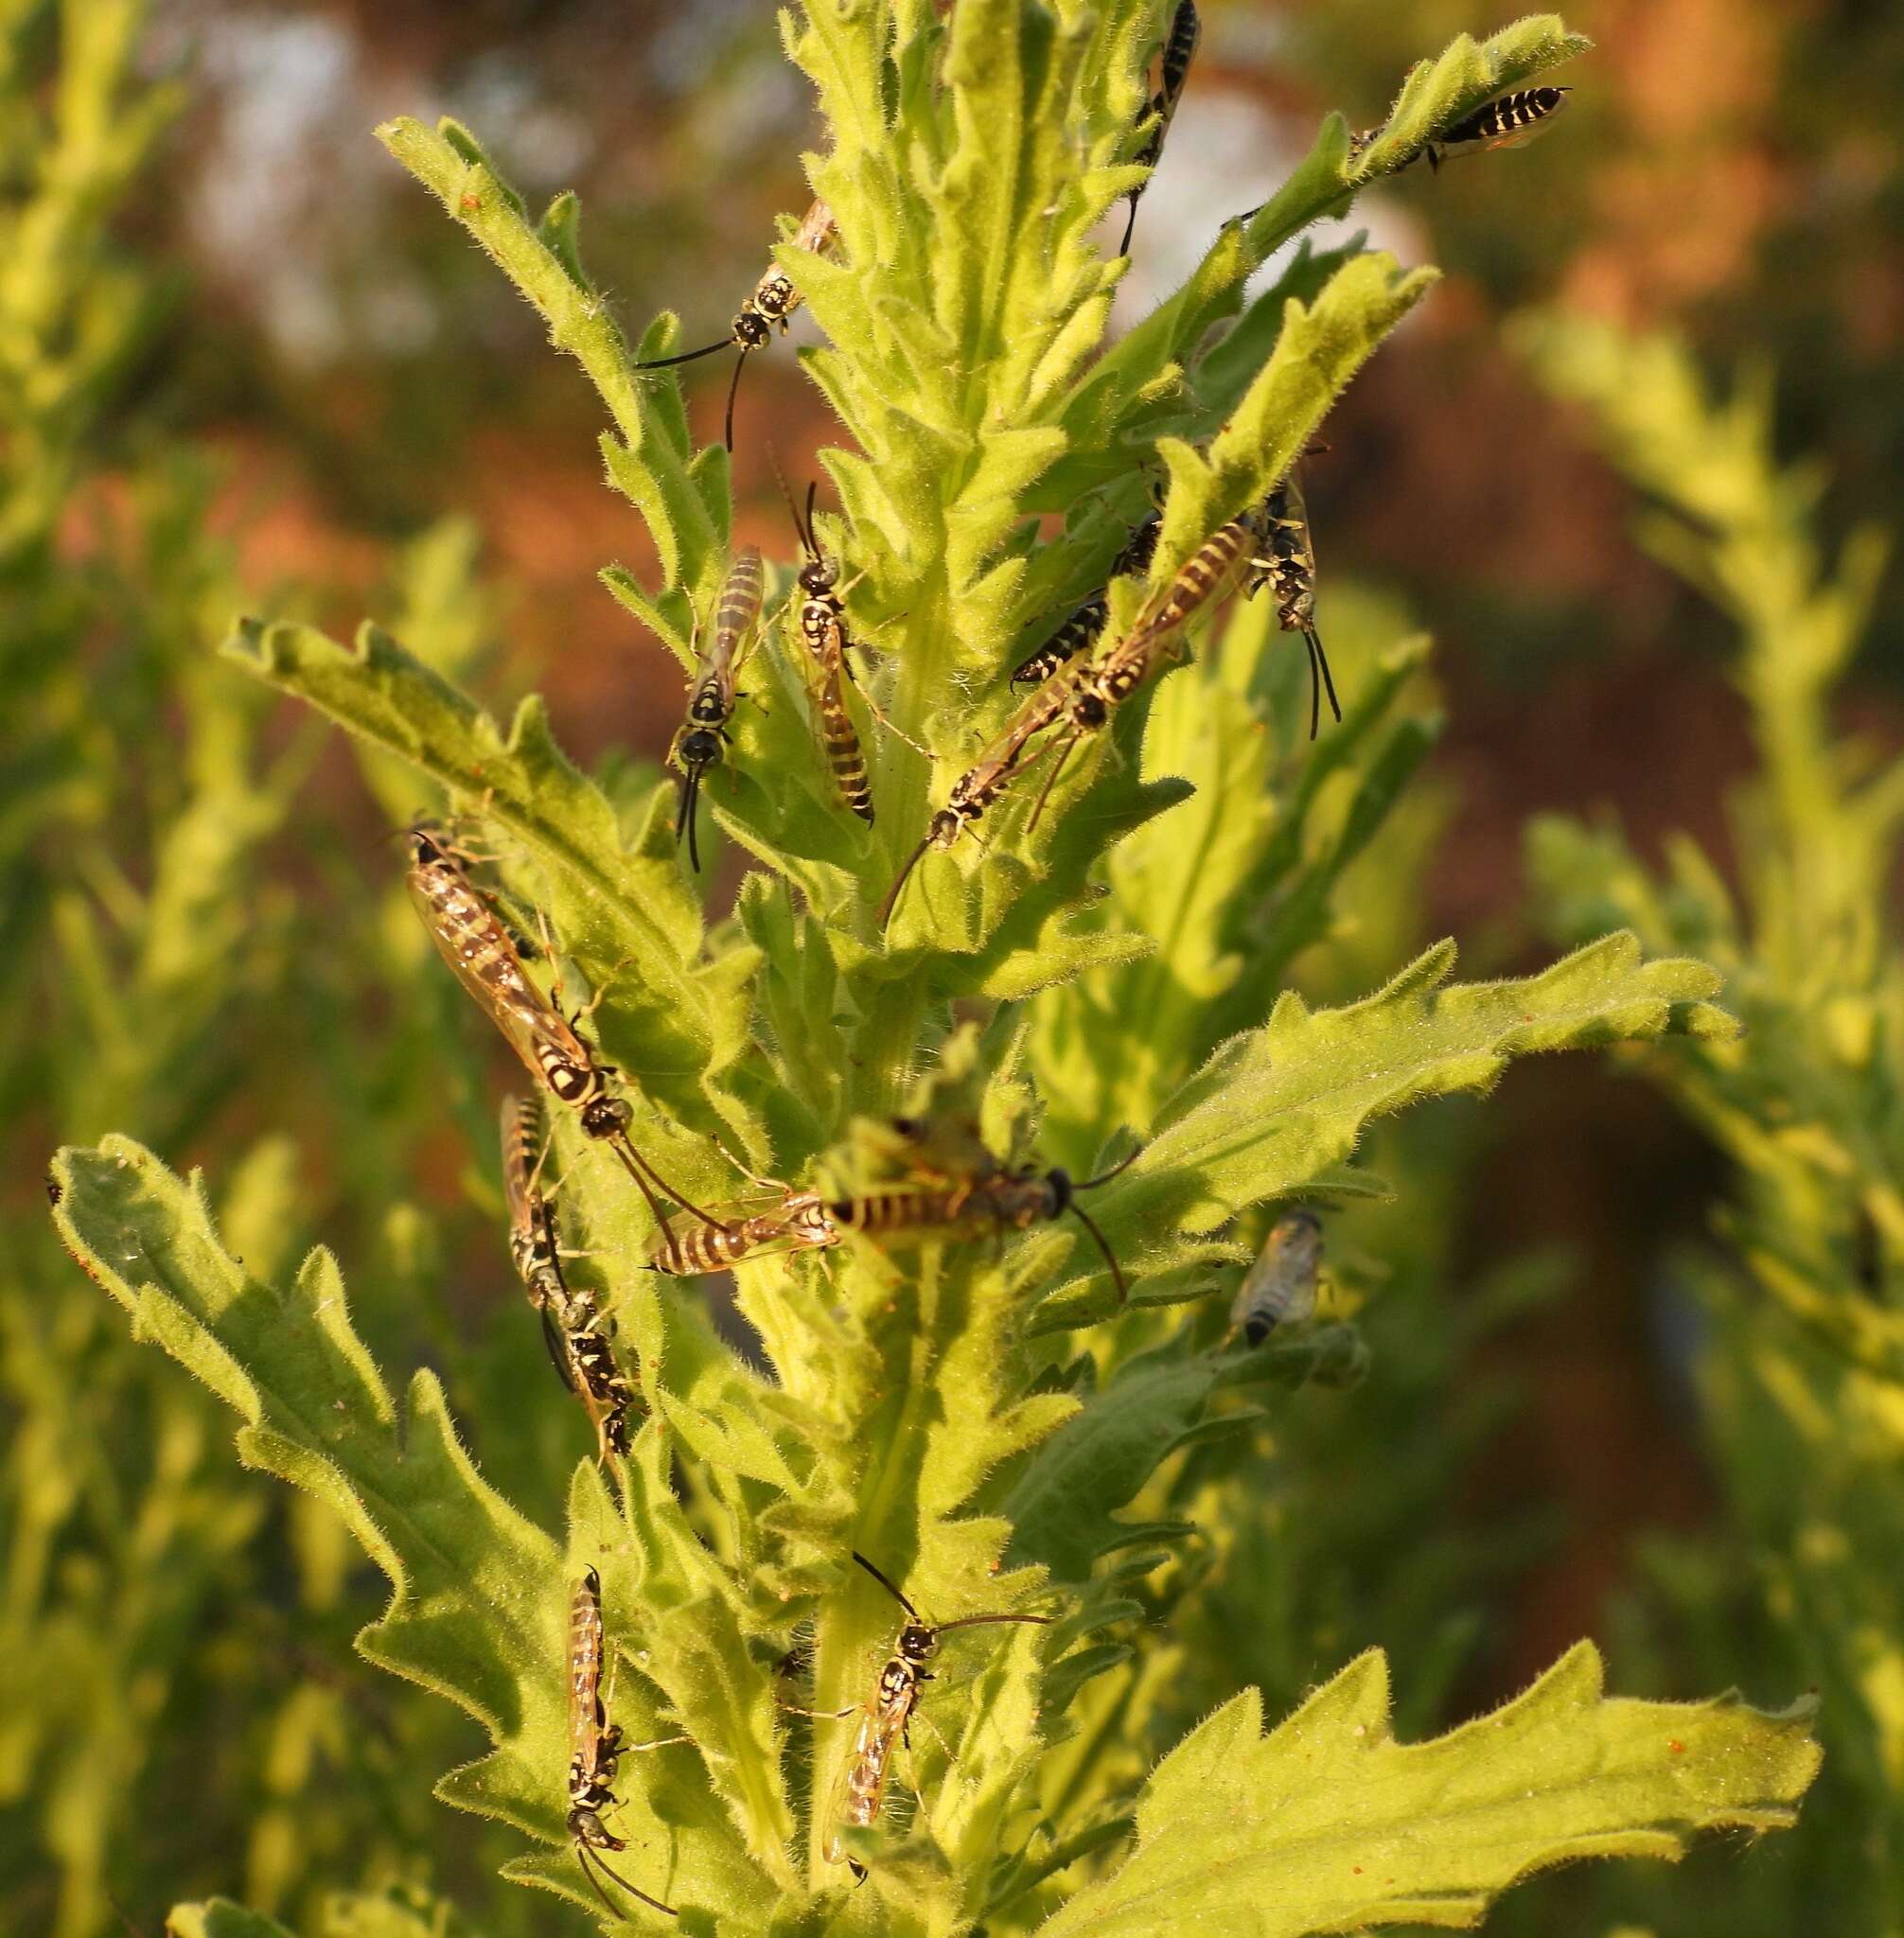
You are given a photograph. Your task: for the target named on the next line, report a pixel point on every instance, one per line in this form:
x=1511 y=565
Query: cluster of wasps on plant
x=947 y=1186
x=1269 y=545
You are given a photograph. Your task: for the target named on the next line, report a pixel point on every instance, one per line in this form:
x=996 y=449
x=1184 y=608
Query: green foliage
x=1802 y=1369
x=983 y=1420
x=1328 y=1824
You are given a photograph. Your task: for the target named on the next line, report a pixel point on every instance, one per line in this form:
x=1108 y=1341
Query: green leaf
x=1062 y=1505
x=479 y=1604
x=463 y=1619
x=620 y=909
x=1327 y=1824
x=1277 y=1107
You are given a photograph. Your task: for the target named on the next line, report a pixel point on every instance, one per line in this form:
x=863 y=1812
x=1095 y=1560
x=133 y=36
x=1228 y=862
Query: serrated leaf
x=620 y=909
x=1327 y=1824
x=1062 y=1504
x=1275 y=1106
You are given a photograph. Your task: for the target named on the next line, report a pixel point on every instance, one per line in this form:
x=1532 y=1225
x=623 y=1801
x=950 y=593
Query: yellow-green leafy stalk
x=946 y=1408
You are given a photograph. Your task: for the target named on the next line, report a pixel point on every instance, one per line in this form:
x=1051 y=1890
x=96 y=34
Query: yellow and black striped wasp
x=773 y=301
x=1080 y=632
x=822 y=631
x=1509 y=120
x=471 y=938
x=1180 y=45
x=1285 y=563
x=956 y=1185
x=885 y=1720
x=983 y=783
x=797 y=1223
x=702 y=739
x=574 y=1330
x=595 y=1749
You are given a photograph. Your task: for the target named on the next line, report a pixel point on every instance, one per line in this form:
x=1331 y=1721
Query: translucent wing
x=859 y=1788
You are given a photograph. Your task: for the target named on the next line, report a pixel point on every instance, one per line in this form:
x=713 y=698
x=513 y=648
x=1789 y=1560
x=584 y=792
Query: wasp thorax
x=917 y=1643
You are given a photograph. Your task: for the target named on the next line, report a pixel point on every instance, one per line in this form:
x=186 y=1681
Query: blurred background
x=292 y=385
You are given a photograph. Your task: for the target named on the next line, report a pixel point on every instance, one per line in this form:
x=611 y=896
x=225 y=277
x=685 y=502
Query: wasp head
x=917 y=1643
x=945 y=828
x=700 y=749
x=752 y=330
x=605 y=1116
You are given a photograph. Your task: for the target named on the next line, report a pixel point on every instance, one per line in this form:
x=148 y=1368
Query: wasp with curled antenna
x=1279 y=1288
x=471 y=938
x=773 y=302
x=701 y=742
x=1180 y=45
x=595 y=1749
x=886 y=1719
x=574 y=1330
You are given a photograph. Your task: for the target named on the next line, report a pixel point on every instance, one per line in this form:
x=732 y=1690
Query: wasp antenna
x=812 y=492
x=1084 y=1219
x=733 y=392
x=800 y=530
x=899 y=881
x=1103 y=1177
x=1050 y=782
x=976 y=1621
x=1322 y=660
x=687 y=817
x=896 y=1594
x=1314 y=686
x=633 y=1890
x=685 y=357
x=1130 y=229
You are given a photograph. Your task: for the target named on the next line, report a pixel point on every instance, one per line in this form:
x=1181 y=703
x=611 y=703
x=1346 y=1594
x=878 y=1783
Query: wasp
x=773 y=301
x=1095 y=692
x=1180 y=47
x=595 y=1749
x=702 y=739
x=980 y=788
x=1285 y=563
x=885 y=1718
x=822 y=629
x=1082 y=631
x=1279 y=1289
x=800 y=1223
x=1006 y=1200
x=575 y=1331
x=471 y=938
x=1085 y=698
x=1507 y=121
